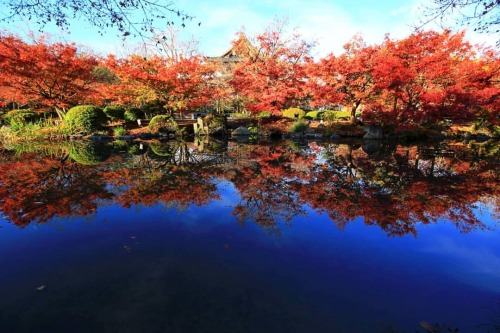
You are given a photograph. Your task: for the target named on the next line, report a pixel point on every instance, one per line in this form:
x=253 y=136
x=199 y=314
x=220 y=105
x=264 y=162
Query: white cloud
x=220 y=23
x=399 y=11
x=326 y=24
x=333 y=26
x=329 y=24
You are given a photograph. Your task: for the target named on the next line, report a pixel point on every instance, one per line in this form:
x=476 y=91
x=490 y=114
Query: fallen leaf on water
x=428 y=327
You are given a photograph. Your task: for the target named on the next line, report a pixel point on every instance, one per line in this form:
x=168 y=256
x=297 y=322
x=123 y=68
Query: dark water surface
x=228 y=237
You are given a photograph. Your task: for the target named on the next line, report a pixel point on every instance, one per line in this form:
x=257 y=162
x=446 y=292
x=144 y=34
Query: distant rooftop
x=241 y=49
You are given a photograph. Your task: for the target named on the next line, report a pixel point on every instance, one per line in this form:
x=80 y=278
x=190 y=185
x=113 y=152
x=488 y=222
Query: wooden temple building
x=241 y=50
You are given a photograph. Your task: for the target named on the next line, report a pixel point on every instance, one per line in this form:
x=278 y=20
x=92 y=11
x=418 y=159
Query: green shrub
x=22 y=132
x=299 y=127
x=133 y=114
x=119 y=131
x=329 y=115
x=88 y=154
x=264 y=114
x=114 y=112
x=21 y=116
x=16 y=125
x=163 y=124
x=40 y=130
x=336 y=115
x=85 y=118
x=294 y=113
x=315 y=114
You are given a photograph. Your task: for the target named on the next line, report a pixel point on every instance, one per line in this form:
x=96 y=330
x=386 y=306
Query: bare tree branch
x=480 y=15
x=137 y=18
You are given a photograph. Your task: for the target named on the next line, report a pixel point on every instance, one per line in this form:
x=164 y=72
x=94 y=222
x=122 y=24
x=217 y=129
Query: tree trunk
x=61 y=113
x=353 y=113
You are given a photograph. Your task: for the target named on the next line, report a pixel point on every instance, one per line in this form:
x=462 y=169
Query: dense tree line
x=423 y=78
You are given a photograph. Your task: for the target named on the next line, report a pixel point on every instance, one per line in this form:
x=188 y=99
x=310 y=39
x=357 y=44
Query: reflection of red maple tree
x=37 y=189
x=264 y=176
x=394 y=187
x=169 y=178
x=397 y=193
x=172 y=186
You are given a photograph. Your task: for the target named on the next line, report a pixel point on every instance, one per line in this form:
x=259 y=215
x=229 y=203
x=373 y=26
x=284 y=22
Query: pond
x=212 y=236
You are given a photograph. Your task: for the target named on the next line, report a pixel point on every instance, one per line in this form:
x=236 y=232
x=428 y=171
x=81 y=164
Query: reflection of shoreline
x=395 y=187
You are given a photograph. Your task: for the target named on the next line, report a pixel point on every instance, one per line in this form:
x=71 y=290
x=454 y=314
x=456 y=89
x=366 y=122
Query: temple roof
x=242 y=48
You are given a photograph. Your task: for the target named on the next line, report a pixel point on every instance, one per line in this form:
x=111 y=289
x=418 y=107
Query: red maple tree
x=272 y=78
x=178 y=84
x=55 y=75
x=430 y=76
x=346 y=79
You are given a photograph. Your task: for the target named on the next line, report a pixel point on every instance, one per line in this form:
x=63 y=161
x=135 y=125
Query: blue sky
x=330 y=23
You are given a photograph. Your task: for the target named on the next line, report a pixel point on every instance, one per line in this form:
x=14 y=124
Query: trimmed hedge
x=85 y=118
x=294 y=113
x=315 y=114
x=163 y=124
x=336 y=115
x=114 y=112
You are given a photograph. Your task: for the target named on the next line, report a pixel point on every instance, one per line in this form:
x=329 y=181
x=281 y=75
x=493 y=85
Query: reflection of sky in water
x=199 y=263
x=479 y=253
